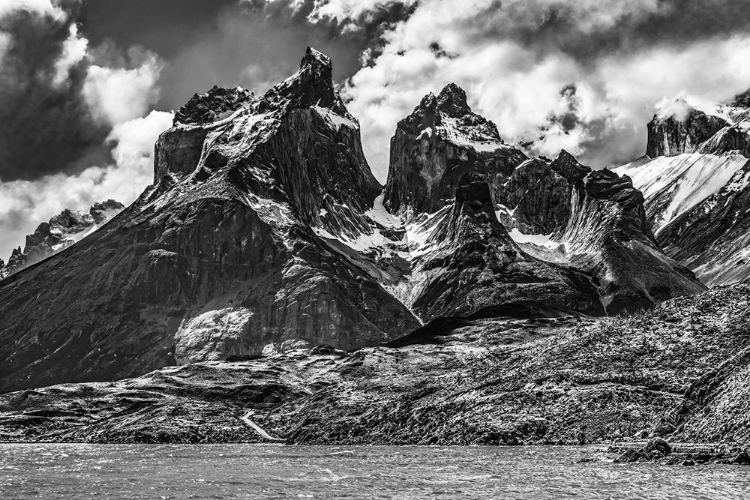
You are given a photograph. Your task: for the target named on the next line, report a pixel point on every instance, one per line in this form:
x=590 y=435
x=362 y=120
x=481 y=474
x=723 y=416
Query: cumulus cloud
x=45 y=125
x=116 y=95
x=59 y=98
x=74 y=50
x=518 y=61
x=46 y=7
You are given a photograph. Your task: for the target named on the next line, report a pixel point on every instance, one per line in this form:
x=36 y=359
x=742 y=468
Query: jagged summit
x=305 y=105
x=452 y=101
x=433 y=147
x=449 y=115
x=568 y=166
x=311 y=86
x=316 y=61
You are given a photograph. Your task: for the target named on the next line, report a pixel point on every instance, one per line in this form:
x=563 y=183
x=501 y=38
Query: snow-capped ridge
x=681 y=182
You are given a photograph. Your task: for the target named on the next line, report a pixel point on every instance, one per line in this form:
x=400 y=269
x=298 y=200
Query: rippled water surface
x=266 y=471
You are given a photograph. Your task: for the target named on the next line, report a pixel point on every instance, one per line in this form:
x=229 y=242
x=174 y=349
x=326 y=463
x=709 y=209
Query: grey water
x=267 y=471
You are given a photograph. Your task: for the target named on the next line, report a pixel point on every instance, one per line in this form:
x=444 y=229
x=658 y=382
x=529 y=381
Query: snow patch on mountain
x=541 y=240
x=334 y=119
x=454 y=132
x=380 y=215
x=681 y=182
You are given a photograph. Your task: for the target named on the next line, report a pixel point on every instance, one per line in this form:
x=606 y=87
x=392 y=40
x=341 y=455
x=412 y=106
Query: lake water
x=269 y=471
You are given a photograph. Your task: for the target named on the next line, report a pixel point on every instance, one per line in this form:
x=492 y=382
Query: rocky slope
x=677 y=371
x=602 y=230
x=695 y=179
x=474 y=268
x=62 y=231
x=219 y=257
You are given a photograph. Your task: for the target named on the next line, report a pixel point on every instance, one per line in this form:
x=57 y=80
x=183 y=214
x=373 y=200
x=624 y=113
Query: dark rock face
x=601 y=218
x=59 y=233
x=631 y=269
x=220 y=257
x=178 y=151
x=730 y=139
x=477 y=269
x=671 y=136
x=541 y=197
x=436 y=145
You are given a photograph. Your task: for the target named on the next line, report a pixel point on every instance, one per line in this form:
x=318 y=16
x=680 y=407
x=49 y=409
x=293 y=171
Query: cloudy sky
x=86 y=86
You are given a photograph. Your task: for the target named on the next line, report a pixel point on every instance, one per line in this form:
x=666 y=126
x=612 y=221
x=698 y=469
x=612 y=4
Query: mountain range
x=62 y=231
x=265 y=235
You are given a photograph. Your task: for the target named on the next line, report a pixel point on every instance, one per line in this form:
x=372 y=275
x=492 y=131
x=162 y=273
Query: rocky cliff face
x=675 y=135
x=697 y=197
x=222 y=255
x=595 y=221
x=62 y=231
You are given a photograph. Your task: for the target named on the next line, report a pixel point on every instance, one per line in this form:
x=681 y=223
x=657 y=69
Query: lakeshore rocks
x=683 y=454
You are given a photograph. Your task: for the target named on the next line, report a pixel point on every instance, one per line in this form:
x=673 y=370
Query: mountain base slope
x=676 y=371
